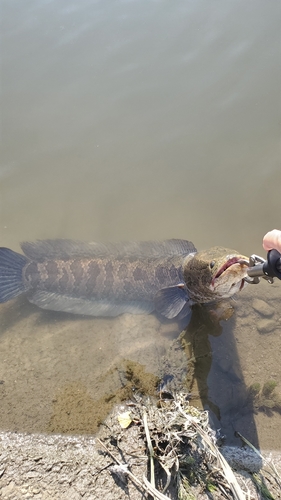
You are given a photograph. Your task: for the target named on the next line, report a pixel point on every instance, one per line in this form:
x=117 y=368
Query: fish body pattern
x=108 y=280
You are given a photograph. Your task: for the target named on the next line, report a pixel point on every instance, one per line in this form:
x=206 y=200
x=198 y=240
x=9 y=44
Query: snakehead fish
x=111 y=279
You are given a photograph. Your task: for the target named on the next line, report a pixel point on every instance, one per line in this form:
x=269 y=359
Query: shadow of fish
x=111 y=279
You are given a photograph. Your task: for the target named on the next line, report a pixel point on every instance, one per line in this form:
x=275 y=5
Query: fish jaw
x=230 y=278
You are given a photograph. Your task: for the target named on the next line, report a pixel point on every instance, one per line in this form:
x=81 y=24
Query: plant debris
x=183 y=454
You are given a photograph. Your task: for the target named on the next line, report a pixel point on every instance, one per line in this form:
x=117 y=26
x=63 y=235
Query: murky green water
x=132 y=120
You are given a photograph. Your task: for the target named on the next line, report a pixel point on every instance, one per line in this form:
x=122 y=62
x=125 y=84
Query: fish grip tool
x=264 y=268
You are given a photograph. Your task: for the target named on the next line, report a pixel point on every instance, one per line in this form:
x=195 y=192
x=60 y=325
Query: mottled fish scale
x=104 y=278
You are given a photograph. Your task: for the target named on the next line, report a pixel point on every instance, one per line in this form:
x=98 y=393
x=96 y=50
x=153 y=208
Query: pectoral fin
x=170 y=301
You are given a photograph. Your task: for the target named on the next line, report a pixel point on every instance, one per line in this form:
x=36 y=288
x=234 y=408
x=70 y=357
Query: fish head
x=215 y=274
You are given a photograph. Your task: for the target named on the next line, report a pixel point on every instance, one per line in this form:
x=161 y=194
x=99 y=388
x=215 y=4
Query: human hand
x=272 y=239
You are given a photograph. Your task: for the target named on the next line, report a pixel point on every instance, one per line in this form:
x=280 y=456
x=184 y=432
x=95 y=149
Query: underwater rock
x=263 y=308
x=266 y=325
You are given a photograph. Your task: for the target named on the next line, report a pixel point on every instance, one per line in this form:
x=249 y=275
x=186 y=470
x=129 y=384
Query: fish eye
x=212 y=263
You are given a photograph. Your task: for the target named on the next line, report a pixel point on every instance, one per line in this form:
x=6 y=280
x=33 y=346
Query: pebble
x=266 y=325
x=263 y=308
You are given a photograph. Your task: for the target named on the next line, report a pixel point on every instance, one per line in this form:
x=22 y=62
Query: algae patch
x=76 y=411
x=265 y=397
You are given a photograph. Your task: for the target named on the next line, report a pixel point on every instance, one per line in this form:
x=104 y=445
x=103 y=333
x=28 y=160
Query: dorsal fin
x=65 y=249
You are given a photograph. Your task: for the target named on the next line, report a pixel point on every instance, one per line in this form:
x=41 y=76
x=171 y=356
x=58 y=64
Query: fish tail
x=11 y=280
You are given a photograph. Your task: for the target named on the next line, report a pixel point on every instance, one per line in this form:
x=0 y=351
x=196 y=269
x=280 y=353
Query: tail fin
x=11 y=282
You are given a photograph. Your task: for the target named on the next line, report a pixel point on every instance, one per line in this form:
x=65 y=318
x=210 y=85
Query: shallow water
x=135 y=120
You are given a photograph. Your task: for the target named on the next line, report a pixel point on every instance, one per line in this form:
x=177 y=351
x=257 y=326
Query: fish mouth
x=243 y=261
